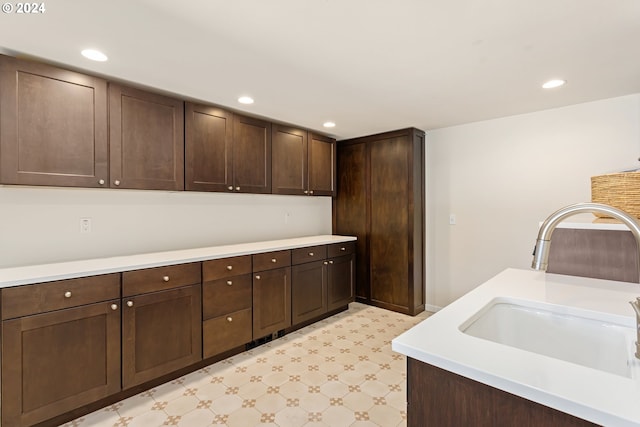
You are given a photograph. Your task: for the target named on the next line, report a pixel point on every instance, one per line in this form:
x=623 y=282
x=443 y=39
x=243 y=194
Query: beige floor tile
x=270 y=403
x=338 y=416
x=314 y=402
x=182 y=405
x=147 y=419
x=334 y=389
x=99 y=418
x=135 y=405
x=197 y=417
x=226 y=404
x=169 y=391
x=384 y=415
x=244 y=417
x=291 y=417
x=374 y=388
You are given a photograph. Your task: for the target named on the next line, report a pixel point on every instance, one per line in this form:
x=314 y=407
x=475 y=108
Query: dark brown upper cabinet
x=226 y=152
x=208 y=148
x=302 y=163
x=146 y=140
x=53 y=126
x=251 y=155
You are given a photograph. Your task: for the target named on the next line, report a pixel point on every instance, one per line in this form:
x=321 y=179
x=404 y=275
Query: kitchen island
x=572 y=394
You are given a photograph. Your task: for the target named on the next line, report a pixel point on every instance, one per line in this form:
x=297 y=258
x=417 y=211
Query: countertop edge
x=25 y=275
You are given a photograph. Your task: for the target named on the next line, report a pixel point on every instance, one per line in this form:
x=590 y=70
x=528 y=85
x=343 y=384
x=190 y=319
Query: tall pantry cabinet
x=380 y=180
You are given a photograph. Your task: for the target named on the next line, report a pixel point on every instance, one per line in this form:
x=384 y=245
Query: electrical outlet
x=452 y=219
x=85 y=225
x=287 y=217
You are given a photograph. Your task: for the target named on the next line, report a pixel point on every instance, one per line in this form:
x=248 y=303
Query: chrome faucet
x=543 y=243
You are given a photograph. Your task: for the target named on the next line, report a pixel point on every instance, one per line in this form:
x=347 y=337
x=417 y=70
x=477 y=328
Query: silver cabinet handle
x=101 y=182
x=306 y=192
x=326 y=263
x=229 y=319
x=229 y=282
x=230 y=188
x=67 y=294
x=129 y=303
x=229 y=267
x=343 y=248
x=114 y=307
x=273 y=260
x=116 y=182
x=258 y=277
x=237 y=188
x=310 y=253
x=330 y=262
x=311 y=192
x=165 y=278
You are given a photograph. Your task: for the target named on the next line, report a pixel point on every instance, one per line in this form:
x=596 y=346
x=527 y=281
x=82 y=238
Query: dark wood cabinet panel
x=226 y=332
x=350 y=208
x=161 y=333
x=146 y=140
x=251 y=155
x=208 y=148
x=308 y=291
x=322 y=165
x=53 y=126
x=271 y=301
x=58 y=361
x=271 y=260
x=308 y=254
x=381 y=201
x=226 y=267
x=447 y=399
x=289 y=160
x=160 y=278
x=223 y=296
x=340 y=283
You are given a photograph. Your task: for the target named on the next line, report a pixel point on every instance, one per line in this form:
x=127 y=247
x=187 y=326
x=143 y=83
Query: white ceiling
x=368 y=65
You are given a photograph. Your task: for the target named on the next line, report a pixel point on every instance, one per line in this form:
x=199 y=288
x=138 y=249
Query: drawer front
x=226 y=332
x=223 y=296
x=271 y=260
x=226 y=267
x=43 y=297
x=160 y=278
x=311 y=253
x=339 y=249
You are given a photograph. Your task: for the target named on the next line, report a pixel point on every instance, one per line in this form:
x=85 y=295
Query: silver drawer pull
x=311 y=192
x=330 y=262
x=114 y=307
x=326 y=263
x=67 y=294
x=101 y=182
x=229 y=319
x=237 y=188
x=229 y=282
x=273 y=260
x=129 y=303
x=343 y=248
x=165 y=278
x=258 y=277
x=230 y=188
x=116 y=182
x=229 y=267
x=310 y=253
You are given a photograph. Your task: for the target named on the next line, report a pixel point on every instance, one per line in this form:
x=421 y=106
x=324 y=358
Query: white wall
x=42 y=225
x=502 y=177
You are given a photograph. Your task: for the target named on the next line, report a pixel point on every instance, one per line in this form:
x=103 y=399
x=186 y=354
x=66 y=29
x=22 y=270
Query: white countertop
x=590 y=222
x=587 y=393
x=91 y=267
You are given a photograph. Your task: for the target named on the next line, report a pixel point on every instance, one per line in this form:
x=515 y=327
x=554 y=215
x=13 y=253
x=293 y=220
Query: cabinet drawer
x=226 y=267
x=271 y=260
x=223 y=296
x=338 y=249
x=226 y=332
x=311 y=253
x=40 y=298
x=160 y=278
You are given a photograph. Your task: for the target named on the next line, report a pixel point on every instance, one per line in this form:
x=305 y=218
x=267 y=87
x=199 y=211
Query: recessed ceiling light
x=554 y=83
x=94 y=55
x=329 y=124
x=245 y=100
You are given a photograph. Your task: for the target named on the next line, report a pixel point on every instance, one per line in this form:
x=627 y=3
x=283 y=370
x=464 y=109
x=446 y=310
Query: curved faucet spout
x=543 y=243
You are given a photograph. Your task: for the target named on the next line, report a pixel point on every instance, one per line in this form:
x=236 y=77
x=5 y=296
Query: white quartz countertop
x=594 y=395
x=91 y=267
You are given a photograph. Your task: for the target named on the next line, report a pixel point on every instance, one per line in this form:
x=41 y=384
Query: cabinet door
x=289 y=161
x=341 y=281
x=161 y=333
x=350 y=208
x=208 y=148
x=322 y=165
x=58 y=361
x=308 y=291
x=271 y=301
x=53 y=126
x=146 y=140
x=251 y=155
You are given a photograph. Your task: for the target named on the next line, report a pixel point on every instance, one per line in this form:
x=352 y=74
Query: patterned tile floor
x=340 y=371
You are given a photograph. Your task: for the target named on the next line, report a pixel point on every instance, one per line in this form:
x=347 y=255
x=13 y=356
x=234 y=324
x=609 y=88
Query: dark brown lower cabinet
x=58 y=361
x=341 y=281
x=271 y=301
x=436 y=397
x=308 y=291
x=161 y=333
